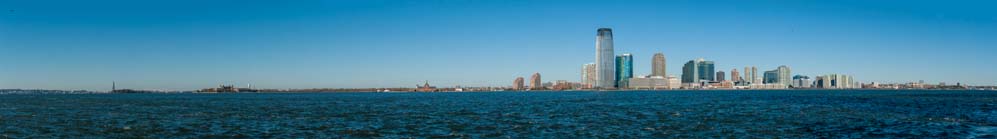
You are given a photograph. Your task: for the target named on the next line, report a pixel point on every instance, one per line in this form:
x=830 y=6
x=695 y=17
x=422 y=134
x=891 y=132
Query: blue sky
x=191 y=44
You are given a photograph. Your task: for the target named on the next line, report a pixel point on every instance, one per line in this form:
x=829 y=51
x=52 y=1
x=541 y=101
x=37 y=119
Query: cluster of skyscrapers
x=610 y=71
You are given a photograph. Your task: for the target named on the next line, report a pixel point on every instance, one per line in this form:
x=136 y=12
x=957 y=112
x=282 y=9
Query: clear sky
x=191 y=44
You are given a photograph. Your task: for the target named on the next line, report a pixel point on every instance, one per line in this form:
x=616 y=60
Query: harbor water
x=613 y=114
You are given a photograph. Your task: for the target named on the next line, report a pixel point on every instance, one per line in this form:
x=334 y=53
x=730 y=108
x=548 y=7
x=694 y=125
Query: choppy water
x=667 y=114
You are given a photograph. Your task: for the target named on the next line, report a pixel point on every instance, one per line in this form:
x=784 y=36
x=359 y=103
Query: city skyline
x=89 y=45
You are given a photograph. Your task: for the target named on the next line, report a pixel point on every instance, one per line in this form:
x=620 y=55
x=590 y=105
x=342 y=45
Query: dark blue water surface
x=640 y=114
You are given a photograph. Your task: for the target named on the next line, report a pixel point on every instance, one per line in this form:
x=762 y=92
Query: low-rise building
x=651 y=82
x=768 y=86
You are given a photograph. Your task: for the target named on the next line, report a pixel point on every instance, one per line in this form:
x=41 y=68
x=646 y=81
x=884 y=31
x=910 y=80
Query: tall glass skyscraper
x=605 y=64
x=689 y=72
x=624 y=70
x=706 y=71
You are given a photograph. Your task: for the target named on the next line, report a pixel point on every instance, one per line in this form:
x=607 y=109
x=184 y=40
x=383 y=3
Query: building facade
x=689 y=72
x=535 y=82
x=673 y=82
x=624 y=70
x=604 y=58
x=588 y=75
x=747 y=75
x=658 y=65
x=698 y=70
x=800 y=81
x=707 y=72
x=734 y=75
x=785 y=75
x=720 y=76
x=835 y=81
x=650 y=82
x=770 y=77
x=754 y=75
x=780 y=75
x=518 y=84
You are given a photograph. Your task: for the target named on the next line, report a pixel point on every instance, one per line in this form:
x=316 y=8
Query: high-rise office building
x=706 y=70
x=605 y=63
x=535 y=83
x=698 y=70
x=658 y=65
x=734 y=75
x=518 y=84
x=588 y=75
x=720 y=76
x=690 y=72
x=624 y=70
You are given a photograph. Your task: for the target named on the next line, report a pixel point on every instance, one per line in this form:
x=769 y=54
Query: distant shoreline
x=38 y=91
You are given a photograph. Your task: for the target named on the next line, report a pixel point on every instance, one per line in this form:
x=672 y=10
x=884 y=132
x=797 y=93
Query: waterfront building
x=768 y=86
x=624 y=70
x=562 y=85
x=725 y=84
x=785 y=75
x=699 y=70
x=588 y=75
x=518 y=84
x=426 y=88
x=770 y=77
x=605 y=63
x=658 y=65
x=822 y=82
x=800 y=81
x=692 y=85
x=835 y=81
x=720 y=76
x=754 y=75
x=706 y=70
x=747 y=75
x=673 y=82
x=780 y=75
x=648 y=82
x=734 y=75
x=535 y=83
x=689 y=74
x=547 y=85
